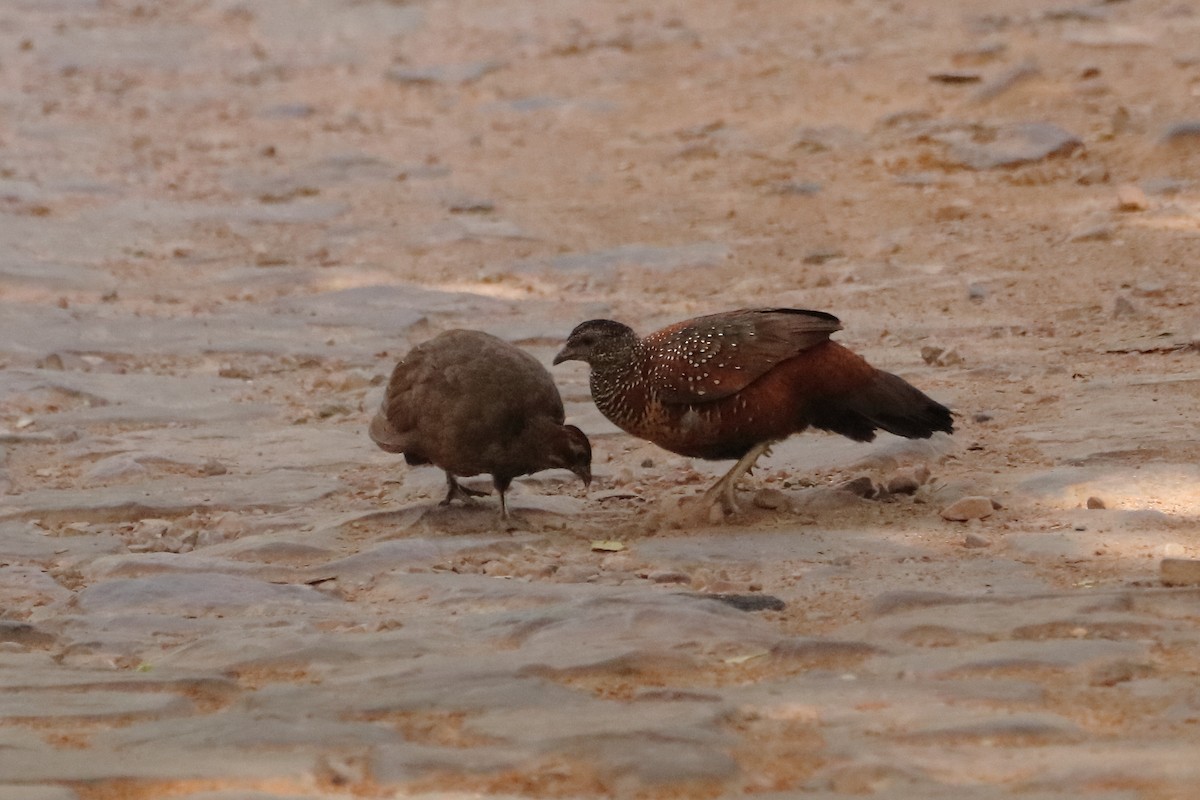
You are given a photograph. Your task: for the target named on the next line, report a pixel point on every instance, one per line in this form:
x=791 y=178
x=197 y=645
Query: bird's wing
x=707 y=358
x=393 y=425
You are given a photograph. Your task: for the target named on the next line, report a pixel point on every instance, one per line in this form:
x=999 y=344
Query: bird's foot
x=457 y=490
x=722 y=495
x=720 y=500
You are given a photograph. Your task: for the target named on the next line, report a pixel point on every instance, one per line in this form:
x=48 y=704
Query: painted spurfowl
x=470 y=403
x=729 y=385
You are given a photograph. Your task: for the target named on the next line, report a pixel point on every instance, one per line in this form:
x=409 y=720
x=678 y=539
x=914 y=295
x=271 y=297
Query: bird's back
x=465 y=402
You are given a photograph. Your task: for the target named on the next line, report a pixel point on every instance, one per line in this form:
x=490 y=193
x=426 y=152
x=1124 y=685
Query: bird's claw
x=457 y=490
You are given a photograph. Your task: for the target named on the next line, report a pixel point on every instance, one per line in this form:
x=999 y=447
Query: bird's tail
x=886 y=402
x=384 y=434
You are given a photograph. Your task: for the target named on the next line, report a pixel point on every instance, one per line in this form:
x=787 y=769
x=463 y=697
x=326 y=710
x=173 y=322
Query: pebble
x=1092 y=232
x=1006 y=81
x=1095 y=502
x=449 y=74
x=968 y=508
x=1131 y=198
x=862 y=486
x=1187 y=131
x=1150 y=288
x=903 y=484
x=1180 y=571
x=940 y=357
x=771 y=499
x=956 y=77
x=747 y=602
x=973 y=540
x=668 y=576
x=908 y=481
x=213 y=467
x=1123 y=307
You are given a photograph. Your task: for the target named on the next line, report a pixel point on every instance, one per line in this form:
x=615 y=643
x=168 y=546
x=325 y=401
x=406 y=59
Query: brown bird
x=730 y=385
x=470 y=403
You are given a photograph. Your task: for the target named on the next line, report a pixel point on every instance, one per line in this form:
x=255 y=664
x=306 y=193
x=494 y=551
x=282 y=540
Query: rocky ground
x=221 y=221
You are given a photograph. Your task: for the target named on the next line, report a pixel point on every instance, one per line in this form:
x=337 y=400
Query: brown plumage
x=470 y=403
x=728 y=385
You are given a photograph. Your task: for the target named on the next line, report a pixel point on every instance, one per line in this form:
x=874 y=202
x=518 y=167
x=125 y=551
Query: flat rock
x=968 y=508
x=1180 y=571
x=170 y=496
x=1008 y=145
x=25 y=587
x=38 y=331
x=152 y=762
x=94 y=705
x=28 y=791
x=200 y=592
x=110 y=397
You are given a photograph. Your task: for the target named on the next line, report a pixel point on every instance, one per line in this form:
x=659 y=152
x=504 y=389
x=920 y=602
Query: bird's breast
x=718 y=430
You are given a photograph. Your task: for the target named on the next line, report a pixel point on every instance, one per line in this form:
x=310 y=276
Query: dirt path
x=222 y=221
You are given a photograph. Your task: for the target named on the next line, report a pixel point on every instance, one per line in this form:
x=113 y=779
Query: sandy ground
x=222 y=221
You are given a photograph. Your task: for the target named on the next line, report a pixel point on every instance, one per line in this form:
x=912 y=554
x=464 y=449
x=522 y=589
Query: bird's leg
x=456 y=489
x=723 y=490
x=502 y=485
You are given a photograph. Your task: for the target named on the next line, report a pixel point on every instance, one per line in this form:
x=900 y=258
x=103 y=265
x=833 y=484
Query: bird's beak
x=585 y=475
x=564 y=355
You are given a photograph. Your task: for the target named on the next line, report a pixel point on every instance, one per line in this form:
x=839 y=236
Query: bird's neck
x=618 y=383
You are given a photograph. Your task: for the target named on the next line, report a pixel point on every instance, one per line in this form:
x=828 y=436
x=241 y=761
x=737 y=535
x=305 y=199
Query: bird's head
x=572 y=450
x=598 y=342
